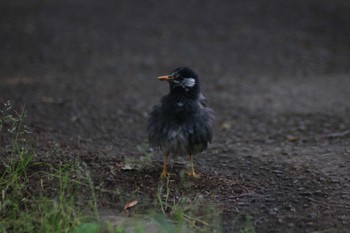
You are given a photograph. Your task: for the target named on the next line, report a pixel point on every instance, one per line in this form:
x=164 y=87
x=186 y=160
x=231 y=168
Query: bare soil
x=275 y=72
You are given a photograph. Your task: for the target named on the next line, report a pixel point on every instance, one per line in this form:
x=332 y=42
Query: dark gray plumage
x=182 y=123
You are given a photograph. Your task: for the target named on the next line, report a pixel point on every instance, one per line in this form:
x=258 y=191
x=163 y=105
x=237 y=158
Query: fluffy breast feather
x=179 y=134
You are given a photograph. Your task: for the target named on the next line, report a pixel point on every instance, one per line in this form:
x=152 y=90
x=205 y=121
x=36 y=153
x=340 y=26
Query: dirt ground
x=275 y=72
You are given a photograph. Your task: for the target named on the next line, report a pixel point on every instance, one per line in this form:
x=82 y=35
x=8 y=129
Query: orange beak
x=165 y=78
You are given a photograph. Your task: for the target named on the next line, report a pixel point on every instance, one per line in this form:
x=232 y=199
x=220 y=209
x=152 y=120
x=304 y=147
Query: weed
x=20 y=209
x=193 y=212
x=14 y=176
x=13 y=129
x=164 y=204
x=42 y=197
x=248 y=225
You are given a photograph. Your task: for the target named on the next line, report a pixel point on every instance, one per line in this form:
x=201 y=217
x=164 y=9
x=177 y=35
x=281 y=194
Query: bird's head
x=184 y=81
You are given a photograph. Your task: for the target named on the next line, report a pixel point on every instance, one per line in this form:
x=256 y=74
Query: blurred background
x=276 y=72
x=86 y=69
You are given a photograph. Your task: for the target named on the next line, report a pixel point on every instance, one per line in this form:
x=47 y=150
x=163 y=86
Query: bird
x=182 y=123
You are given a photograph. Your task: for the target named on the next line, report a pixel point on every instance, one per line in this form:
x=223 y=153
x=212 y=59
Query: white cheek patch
x=189 y=82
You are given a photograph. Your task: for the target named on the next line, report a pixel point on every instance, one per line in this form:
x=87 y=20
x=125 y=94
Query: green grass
x=42 y=197
x=20 y=210
x=23 y=212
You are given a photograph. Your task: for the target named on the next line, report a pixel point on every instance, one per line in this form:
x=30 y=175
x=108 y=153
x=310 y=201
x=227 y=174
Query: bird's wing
x=202 y=100
x=154 y=127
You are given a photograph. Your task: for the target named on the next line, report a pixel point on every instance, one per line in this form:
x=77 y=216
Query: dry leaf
x=226 y=125
x=127 y=167
x=130 y=205
x=292 y=138
x=47 y=99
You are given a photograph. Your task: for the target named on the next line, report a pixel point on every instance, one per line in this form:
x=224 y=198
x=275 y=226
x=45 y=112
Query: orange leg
x=192 y=172
x=165 y=173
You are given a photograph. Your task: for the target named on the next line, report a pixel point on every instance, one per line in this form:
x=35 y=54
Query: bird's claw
x=166 y=174
x=193 y=174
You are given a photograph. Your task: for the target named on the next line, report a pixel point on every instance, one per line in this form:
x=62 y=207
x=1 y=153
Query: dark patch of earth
x=276 y=74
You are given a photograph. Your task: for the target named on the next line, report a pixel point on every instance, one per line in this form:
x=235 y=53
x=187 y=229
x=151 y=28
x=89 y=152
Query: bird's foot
x=166 y=174
x=193 y=174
